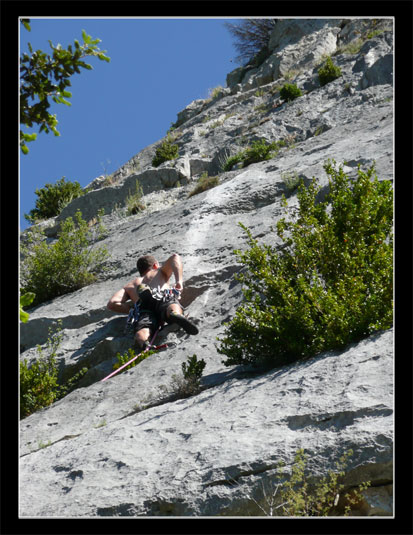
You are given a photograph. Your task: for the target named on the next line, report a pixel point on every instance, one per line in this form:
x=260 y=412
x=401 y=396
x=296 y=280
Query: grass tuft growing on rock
x=204 y=183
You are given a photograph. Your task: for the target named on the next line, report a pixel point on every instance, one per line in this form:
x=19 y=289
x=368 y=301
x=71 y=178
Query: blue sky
x=157 y=68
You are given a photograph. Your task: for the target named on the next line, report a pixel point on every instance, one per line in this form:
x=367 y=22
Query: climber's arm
x=173 y=266
x=118 y=301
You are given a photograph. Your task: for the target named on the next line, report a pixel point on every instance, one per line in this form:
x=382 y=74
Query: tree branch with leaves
x=44 y=77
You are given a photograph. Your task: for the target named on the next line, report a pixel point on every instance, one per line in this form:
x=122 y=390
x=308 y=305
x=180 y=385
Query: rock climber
x=154 y=301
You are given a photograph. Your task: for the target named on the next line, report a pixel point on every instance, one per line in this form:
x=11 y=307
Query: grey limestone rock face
x=130 y=446
x=205 y=454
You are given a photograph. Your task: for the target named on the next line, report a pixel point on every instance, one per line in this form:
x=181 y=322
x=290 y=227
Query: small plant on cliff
x=128 y=355
x=189 y=383
x=258 y=151
x=38 y=382
x=299 y=496
x=134 y=204
x=69 y=263
x=330 y=283
x=167 y=150
x=53 y=198
x=290 y=92
x=204 y=183
x=25 y=300
x=39 y=386
x=328 y=72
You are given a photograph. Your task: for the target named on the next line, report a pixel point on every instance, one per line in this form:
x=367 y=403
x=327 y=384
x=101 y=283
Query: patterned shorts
x=153 y=312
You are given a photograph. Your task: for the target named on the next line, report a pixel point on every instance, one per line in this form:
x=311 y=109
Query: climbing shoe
x=183 y=322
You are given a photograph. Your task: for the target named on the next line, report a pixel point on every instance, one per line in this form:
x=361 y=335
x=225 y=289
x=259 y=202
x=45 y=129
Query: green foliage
x=204 y=183
x=291 y=180
x=38 y=383
x=133 y=202
x=258 y=151
x=328 y=72
x=330 y=283
x=25 y=300
x=298 y=496
x=193 y=368
x=290 y=92
x=261 y=150
x=128 y=355
x=189 y=384
x=43 y=76
x=216 y=92
x=39 y=387
x=67 y=264
x=166 y=151
x=53 y=198
x=232 y=160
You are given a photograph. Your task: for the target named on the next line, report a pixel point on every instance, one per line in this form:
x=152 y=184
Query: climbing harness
x=151 y=293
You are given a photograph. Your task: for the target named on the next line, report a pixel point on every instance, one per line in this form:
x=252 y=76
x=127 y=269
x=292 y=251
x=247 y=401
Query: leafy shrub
x=38 y=383
x=189 y=384
x=128 y=355
x=166 y=151
x=290 y=92
x=258 y=151
x=61 y=267
x=53 y=198
x=204 y=183
x=298 y=496
x=328 y=72
x=39 y=387
x=25 y=300
x=329 y=284
x=193 y=369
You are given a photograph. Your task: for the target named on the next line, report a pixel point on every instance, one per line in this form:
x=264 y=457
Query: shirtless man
x=153 y=311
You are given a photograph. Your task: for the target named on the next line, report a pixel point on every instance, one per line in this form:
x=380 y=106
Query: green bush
x=25 y=300
x=38 y=383
x=189 y=383
x=166 y=151
x=61 y=267
x=192 y=369
x=39 y=387
x=128 y=355
x=204 y=183
x=290 y=92
x=300 y=495
x=258 y=151
x=53 y=198
x=331 y=281
x=328 y=72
